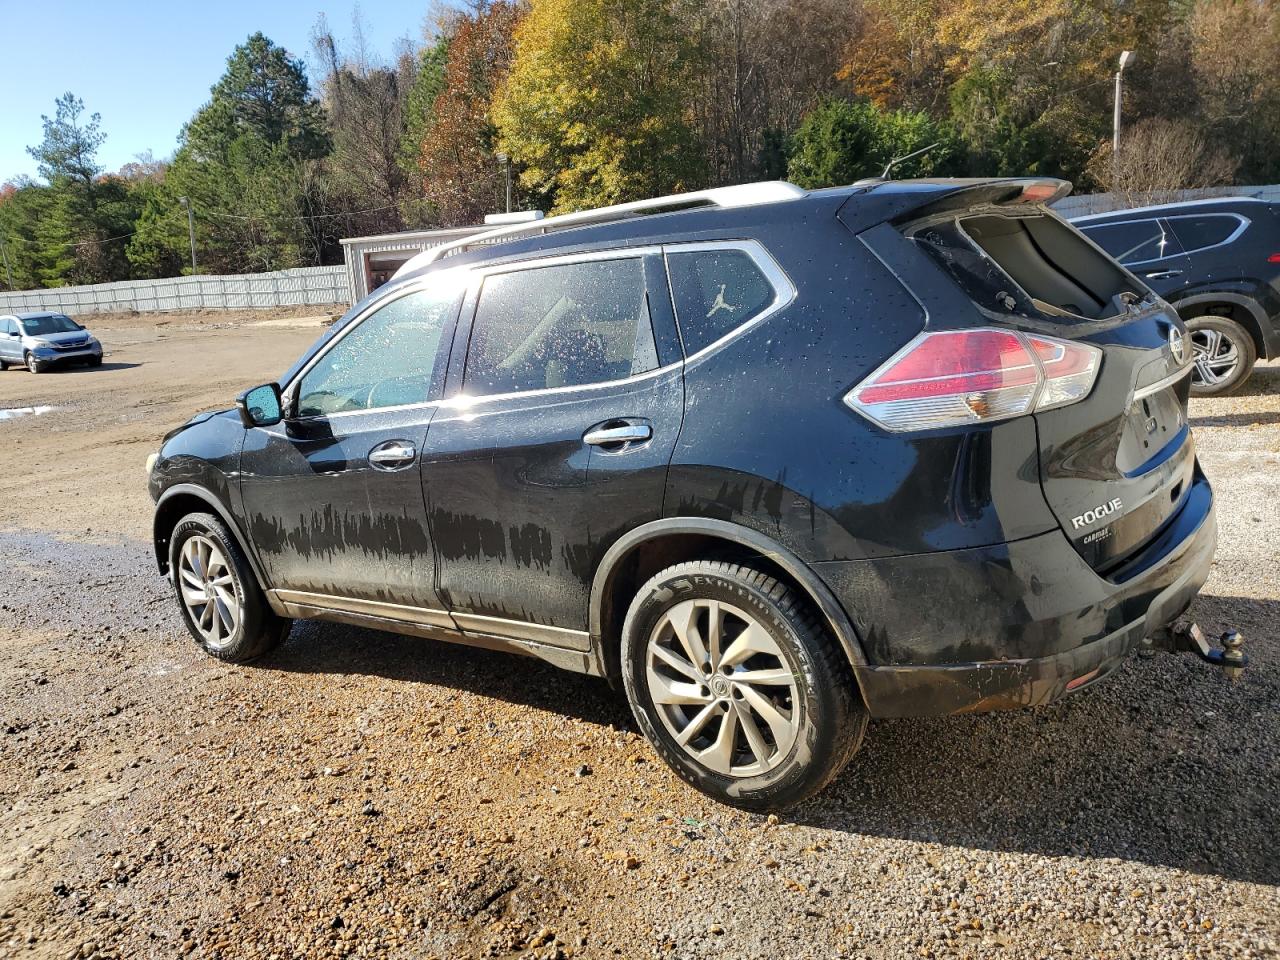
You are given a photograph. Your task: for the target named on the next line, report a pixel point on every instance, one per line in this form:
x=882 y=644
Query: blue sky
x=147 y=67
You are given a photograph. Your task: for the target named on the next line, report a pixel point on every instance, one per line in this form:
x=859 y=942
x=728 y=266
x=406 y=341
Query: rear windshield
x=1034 y=263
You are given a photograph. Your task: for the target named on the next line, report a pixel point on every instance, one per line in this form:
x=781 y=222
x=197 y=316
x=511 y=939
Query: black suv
x=774 y=461
x=1218 y=262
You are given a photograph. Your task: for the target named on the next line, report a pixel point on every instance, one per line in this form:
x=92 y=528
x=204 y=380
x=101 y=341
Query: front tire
x=738 y=684
x=1224 y=354
x=34 y=365
x=222 y=605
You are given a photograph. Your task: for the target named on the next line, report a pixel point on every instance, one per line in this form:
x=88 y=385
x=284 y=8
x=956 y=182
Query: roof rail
x=743 y=195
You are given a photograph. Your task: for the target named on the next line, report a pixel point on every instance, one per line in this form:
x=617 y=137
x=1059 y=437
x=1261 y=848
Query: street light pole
x=191 y=230
x=1126 y=58
x=505 y=160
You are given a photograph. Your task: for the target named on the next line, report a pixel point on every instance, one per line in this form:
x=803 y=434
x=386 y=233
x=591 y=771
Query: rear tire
x=222 y=605
x=771 y=713
x=1224 y=355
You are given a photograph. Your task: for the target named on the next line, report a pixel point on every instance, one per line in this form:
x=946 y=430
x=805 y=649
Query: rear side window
x=1207 y=230
x=716 y=291
x=563 y=325
x=1134 y=241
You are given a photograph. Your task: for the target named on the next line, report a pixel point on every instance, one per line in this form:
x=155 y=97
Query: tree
x=69 y=149
x=1157 y=159
x=420 y=108
x=460 y=173
x=595 y=106
x=249 y=166
x=846 y=140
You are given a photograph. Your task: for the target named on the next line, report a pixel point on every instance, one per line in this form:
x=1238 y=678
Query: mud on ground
x=364 y=794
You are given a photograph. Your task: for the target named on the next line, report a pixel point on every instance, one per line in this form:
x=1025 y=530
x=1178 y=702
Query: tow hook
x=1188 y=637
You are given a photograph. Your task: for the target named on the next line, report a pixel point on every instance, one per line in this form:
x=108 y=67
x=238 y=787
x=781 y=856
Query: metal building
x=371 y=261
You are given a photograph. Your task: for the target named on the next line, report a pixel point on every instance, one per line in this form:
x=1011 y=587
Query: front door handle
x=393 y=455
x=1163 y=274
x=608 y=436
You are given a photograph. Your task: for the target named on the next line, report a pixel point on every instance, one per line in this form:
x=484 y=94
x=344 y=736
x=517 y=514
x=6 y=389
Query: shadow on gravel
x=1237 y=419
x=1166 y=763
x=1263 y=380
x=315 y=647
x=101 y=368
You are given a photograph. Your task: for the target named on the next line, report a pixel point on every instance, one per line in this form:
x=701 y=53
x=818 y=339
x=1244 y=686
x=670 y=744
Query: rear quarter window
x=1205 y=230
x=716 y=291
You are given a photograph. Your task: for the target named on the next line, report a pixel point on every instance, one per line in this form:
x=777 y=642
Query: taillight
x=1274 y=258
x=957 y=377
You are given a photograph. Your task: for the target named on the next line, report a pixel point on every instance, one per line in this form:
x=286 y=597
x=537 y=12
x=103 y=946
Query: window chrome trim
x=417 y=285
x=1159 y=385
x=426 y=616
x=784 y=291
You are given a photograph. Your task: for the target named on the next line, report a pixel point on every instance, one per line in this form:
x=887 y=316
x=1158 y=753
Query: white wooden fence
x=303 y=285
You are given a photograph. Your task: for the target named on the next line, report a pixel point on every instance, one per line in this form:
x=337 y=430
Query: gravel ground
x=370 y=795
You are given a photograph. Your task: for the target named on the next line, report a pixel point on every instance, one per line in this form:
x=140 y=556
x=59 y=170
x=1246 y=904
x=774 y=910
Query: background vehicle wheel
x=738 y=685
x=1224 y=355
x=4 y=365
x=34 y=365
x=222 y=604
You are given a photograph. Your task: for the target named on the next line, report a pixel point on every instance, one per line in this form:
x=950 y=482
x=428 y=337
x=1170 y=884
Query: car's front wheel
x=738 y=684
x=1224 y=354
x=222 y=605
x=34 y=365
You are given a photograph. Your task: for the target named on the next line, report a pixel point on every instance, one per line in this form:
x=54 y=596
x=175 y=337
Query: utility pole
x=191 y=229
x=4 y=252
x=1126 y=58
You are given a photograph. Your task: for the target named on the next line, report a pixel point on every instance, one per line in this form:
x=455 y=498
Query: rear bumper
x=1015 y=625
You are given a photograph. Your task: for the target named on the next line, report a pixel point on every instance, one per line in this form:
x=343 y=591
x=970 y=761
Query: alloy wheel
x=209 y=590
x=722 y=687
x=1215 y=355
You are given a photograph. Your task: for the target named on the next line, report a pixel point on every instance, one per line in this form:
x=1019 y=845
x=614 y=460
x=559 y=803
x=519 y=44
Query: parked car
x=772 y=461
x=1218 y=262
x=39 y=341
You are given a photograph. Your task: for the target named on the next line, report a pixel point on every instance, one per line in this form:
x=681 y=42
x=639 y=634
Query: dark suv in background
x=773 y=461
x=1218 y=262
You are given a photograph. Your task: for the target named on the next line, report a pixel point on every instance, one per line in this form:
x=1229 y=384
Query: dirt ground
x=363 y=794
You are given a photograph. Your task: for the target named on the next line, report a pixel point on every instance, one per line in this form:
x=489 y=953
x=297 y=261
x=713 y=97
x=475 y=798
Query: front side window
x=562 y=325
x=1207 y=230
x=1133 y=242
x=386 y=361
x=716 y=291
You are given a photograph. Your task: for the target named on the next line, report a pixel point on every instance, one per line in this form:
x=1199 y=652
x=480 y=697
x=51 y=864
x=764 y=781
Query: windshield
x=43 y=326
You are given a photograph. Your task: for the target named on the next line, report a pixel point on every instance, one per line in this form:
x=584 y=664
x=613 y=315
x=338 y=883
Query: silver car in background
x=39 y=341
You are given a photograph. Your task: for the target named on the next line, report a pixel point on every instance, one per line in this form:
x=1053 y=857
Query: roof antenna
x=888 y=167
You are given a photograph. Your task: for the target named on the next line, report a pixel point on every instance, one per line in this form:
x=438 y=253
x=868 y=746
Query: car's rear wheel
x=738 y=684
x=1224 y=354
x=222 y=605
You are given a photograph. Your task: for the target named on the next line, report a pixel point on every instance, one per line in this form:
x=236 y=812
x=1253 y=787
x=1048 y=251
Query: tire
x=4 y=365
x=1214 y=342
x=240 y=626
x=95 y=361
x=34 y=365
x=803 y=679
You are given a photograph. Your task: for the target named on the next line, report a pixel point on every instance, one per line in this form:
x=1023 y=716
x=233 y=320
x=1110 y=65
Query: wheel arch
x=653 y=546
x=1243 y=310
x=182 y=499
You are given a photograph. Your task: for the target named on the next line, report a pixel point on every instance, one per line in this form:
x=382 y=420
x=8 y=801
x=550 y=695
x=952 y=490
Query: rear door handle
x=1163 y=274
x=393 y=455
x=626 y=433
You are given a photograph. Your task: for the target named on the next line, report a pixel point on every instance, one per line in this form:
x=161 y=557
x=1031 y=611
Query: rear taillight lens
x=959 y=377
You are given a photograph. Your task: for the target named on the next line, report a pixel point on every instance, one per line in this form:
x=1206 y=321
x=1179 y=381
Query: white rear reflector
x=958 y=377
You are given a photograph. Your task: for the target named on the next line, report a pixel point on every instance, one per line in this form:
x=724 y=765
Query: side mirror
x=261 y=406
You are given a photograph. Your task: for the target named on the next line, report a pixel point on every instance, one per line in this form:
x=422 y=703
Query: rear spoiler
x=898 y=201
